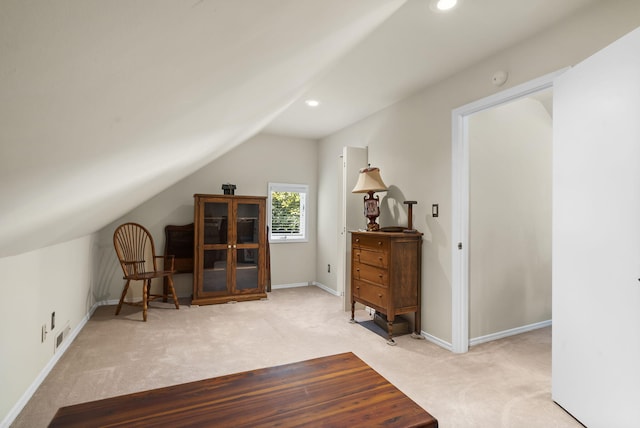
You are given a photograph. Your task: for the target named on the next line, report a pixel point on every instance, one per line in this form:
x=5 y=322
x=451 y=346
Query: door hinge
x=459 y=245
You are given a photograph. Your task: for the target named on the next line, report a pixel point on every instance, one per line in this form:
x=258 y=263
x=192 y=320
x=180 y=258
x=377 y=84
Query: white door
x=350 y=215
x=596 y=237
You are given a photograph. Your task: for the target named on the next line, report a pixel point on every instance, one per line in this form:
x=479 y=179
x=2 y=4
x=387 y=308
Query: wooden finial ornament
x=410 y=228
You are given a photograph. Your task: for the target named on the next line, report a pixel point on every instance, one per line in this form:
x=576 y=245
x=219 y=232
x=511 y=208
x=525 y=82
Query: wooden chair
x=136 y=253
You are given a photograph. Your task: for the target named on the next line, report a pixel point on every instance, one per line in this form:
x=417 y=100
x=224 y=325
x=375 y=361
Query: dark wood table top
x=335 y=391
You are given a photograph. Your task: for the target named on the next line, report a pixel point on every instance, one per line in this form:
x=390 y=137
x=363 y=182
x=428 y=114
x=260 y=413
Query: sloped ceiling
x=414 y=48
x=106 y=103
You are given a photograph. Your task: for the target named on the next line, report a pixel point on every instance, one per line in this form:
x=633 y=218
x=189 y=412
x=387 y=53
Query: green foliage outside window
x=285 y=211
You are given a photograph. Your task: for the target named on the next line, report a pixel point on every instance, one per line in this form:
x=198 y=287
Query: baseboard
x=506 y=333
x=292 y=285
x=437 y=341
x=24 y=399
x=327 y=289
x=306 y=284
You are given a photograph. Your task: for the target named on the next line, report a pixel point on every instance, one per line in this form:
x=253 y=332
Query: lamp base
x=373 y=227
x=372 y=211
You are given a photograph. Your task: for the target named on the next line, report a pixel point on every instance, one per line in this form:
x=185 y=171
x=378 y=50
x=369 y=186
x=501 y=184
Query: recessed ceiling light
x=312 y=103
x=446 y=4
x=443 y=5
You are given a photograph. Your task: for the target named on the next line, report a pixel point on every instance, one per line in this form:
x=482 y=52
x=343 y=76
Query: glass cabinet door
x=216 y=223
x=247 y=223
x=248 y=240
x=215 y=270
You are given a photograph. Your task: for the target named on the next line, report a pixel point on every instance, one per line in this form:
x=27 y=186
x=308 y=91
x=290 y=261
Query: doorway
x=510 y=171
x=461 y=262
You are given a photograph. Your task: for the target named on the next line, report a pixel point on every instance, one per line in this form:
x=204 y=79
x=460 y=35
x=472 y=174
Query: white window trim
x=288 y=187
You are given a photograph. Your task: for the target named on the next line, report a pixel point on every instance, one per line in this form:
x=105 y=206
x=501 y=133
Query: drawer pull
x=357 y=239
x=380 y=295
x=379 y=242
x=380 y=275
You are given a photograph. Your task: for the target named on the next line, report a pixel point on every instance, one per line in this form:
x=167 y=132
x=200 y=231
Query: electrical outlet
x=43 y=333
x=329 y=268
x=53 y=320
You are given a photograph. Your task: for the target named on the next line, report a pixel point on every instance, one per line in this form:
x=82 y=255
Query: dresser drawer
x=371 y=274
x=370 y=242
x=373 y=258
x=370 y=294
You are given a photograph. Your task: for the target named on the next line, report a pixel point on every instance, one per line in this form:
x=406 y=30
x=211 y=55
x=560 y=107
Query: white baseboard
x=436 y=340
x=24 y=399
x=489 y=337
x=292 y=285
x=327 y=289
x=306 y=284
x=510 y=332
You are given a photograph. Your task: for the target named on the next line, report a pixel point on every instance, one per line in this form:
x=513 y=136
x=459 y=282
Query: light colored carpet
x=506 y=383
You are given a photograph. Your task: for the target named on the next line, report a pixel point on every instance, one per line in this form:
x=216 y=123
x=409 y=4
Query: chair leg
x=165 y=287
x=173 y=291
x=124 y=293
x=146 y=285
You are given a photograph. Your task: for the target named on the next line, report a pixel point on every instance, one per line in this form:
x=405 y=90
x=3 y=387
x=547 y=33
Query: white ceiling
x=107 y=103
x=104 y=104
x=413 y=49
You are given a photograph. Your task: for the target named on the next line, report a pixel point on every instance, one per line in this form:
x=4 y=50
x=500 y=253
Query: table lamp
x=369 y=181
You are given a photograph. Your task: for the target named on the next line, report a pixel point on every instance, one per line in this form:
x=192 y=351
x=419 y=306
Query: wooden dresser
x=386 y=274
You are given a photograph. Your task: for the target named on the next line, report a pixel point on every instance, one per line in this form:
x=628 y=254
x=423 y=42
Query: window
x=288 y=212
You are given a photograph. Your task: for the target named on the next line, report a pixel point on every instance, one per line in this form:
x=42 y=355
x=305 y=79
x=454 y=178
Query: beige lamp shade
x=369 y=180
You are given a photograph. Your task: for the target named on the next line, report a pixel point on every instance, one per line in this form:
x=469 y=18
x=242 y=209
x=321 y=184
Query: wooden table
x=335 y=391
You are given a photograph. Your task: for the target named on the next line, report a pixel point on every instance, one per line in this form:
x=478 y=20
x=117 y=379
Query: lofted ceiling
x=414 y=48
x=107 y=103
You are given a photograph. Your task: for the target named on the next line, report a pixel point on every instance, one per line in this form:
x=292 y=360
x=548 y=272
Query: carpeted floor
x=505 y=383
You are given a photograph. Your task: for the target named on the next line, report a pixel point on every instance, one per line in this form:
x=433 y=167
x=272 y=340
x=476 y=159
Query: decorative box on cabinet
x=386 y=275
x=230 y=238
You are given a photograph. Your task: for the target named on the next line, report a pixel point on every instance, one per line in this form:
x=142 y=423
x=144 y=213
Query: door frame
x=460 y=200
x=352 y=160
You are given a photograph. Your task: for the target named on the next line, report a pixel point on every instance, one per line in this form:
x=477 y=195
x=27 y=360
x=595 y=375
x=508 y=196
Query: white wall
x=411 y=143
x=35 y=284
x=509 y=217
x=250 y=166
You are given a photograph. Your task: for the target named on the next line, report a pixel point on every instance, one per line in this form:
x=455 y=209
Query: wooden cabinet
x=230 y=237
x=386 y=274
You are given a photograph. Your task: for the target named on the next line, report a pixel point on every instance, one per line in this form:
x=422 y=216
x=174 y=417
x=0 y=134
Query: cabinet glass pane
x=247 y=269
x=247 y=223
x=215 y=222
x=214 y=275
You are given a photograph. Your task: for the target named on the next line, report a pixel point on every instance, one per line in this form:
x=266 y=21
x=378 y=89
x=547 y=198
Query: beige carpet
x=506 y=383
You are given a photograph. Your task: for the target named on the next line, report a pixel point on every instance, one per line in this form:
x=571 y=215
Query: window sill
x=287 y=241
